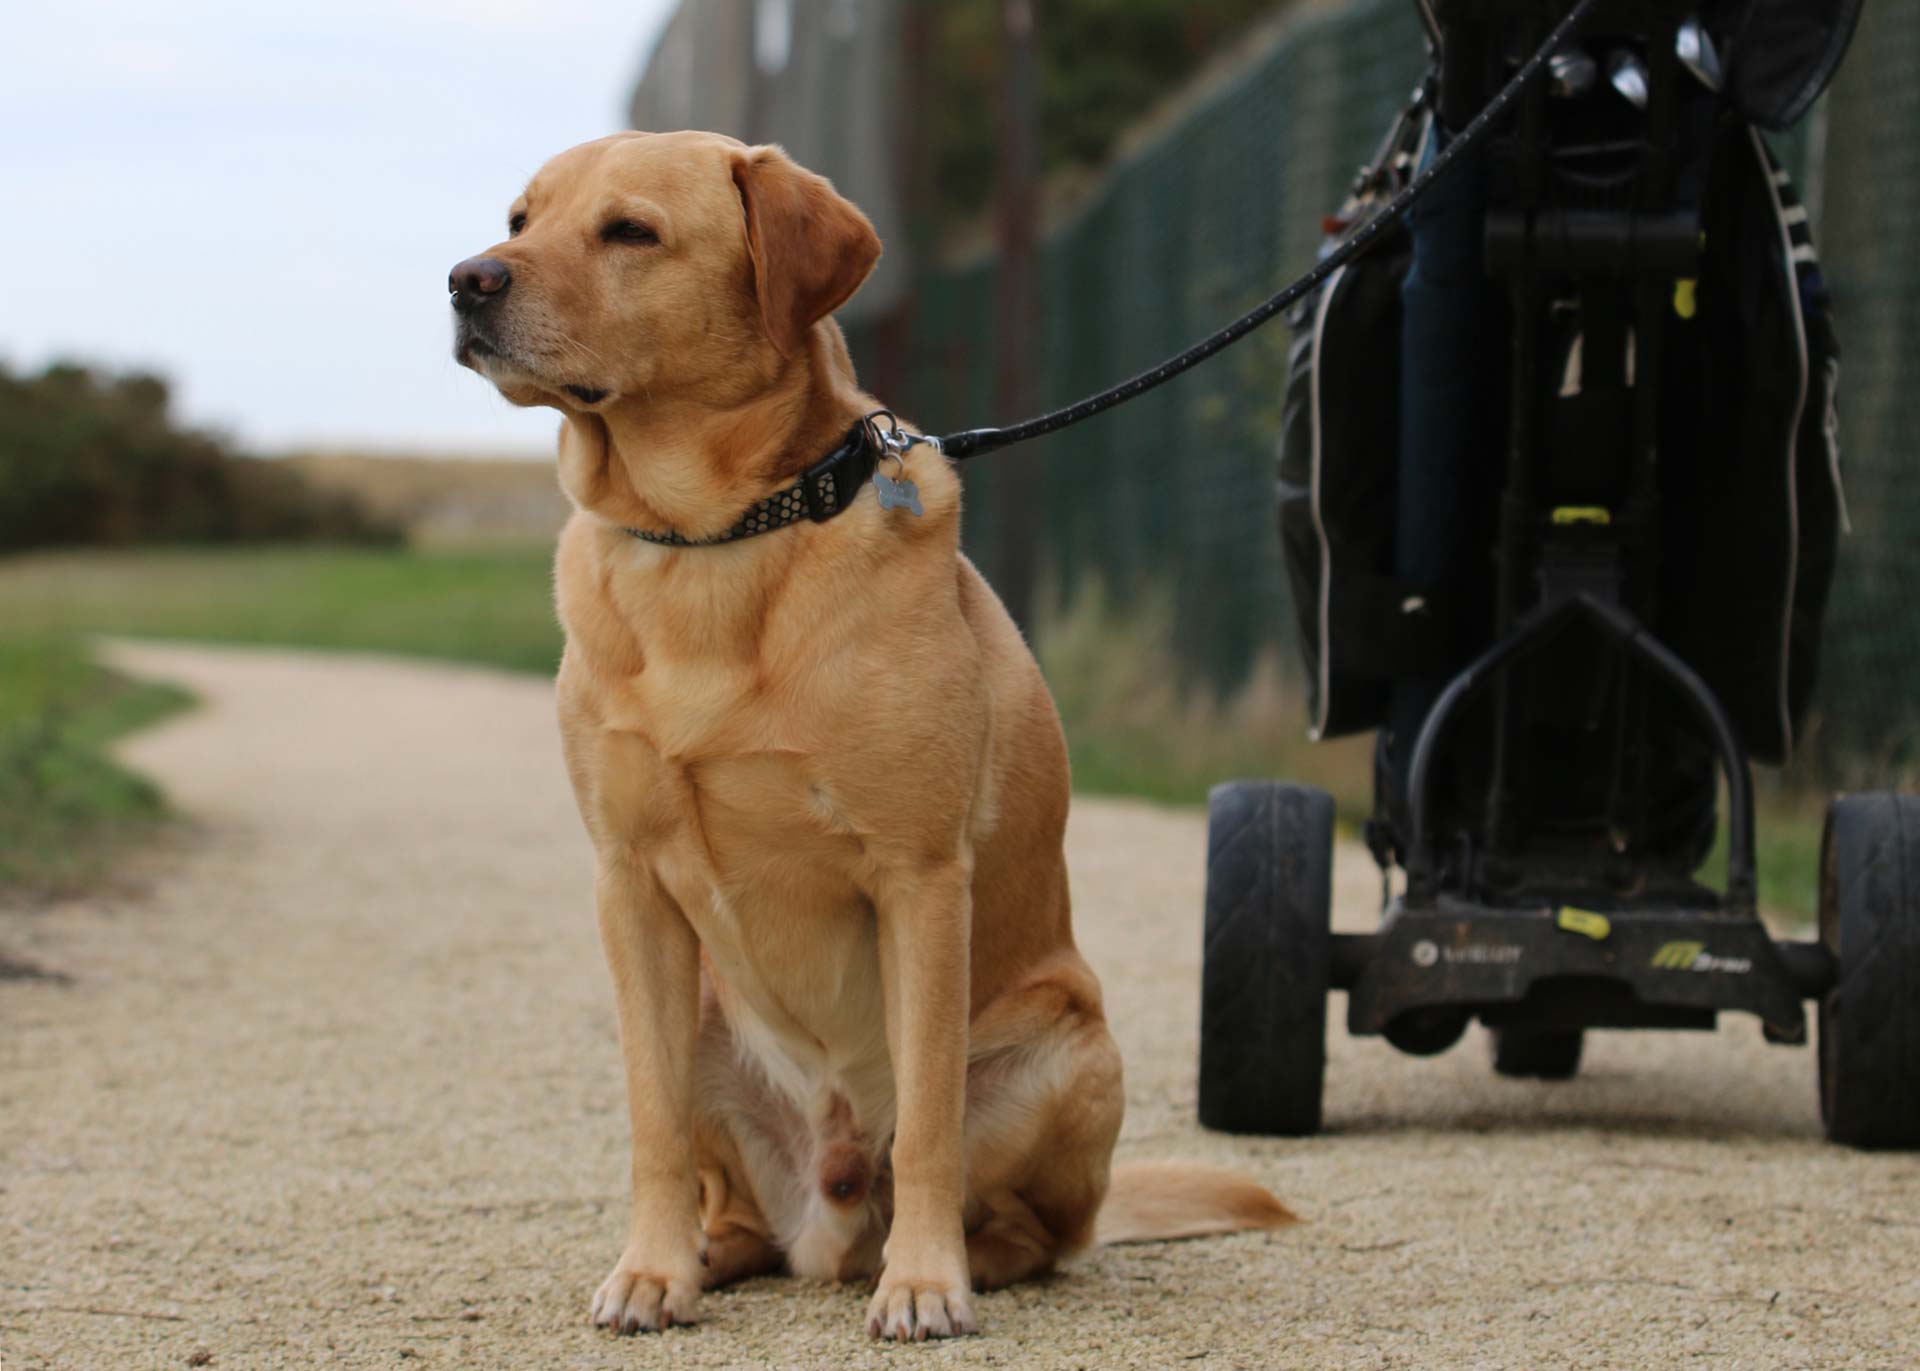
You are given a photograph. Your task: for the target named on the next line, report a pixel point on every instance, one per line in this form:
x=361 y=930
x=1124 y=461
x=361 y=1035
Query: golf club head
x=1572 y=73
x=1628 y=75
x=1694 y=46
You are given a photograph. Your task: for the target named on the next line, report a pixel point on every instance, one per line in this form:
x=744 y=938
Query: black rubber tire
x=1540 y=1054
x=1870 y=1020
x=1267 y=958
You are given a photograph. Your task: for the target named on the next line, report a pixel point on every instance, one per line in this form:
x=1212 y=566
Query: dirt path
x=339 y=1087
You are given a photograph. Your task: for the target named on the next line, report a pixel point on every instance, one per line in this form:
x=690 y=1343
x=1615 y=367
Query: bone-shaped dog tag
x=901 y=494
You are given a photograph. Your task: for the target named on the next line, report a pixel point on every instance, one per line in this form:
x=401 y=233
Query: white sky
x=261 y=200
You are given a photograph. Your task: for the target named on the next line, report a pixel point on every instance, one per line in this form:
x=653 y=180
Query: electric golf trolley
x=1601 y=351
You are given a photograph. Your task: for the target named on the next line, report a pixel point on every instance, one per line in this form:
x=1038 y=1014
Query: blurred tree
x=1016 y=568
x=1102 y=63
x=87 y=457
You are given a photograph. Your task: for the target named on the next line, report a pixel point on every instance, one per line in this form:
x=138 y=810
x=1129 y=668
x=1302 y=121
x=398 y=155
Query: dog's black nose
x=477 y=280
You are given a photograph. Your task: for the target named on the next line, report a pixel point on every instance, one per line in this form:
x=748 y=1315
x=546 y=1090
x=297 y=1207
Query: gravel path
x=335 y=1084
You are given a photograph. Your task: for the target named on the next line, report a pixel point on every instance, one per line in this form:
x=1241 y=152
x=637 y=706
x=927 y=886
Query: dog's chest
x=761 y=865
x=699 y=710
x=730 y=778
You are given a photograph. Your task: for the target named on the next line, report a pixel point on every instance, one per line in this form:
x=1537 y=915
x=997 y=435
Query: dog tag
x=901 y=494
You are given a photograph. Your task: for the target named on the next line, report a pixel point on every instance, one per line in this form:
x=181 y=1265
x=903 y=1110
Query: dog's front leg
x=655 y=960
x=925 y=927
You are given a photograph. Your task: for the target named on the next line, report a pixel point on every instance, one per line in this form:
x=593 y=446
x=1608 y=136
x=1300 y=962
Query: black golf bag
x=1597 y=358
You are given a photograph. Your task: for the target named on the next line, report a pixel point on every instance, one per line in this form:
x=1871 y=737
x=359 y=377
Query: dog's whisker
x=575 y=343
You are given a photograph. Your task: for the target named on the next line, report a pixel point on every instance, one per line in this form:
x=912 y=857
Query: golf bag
x=1431 y=451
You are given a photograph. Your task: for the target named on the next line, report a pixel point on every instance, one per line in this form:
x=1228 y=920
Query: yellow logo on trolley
x=1678 y=956
x=1692 y=956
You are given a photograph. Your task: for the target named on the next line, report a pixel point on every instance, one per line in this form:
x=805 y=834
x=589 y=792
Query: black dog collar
x=827 y=489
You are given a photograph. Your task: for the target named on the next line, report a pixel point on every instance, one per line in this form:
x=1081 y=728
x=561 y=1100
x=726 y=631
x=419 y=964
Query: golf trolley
x=1601 y=352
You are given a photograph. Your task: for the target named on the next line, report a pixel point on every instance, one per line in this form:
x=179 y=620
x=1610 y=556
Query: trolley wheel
x=1870 y=1020
x=1267 y=957
x=1541 y=1054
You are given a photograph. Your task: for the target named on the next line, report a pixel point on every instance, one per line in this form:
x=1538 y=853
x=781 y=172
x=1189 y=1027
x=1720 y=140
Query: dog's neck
x=691 y=467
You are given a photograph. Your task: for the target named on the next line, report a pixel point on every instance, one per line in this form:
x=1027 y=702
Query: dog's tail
x=1148 y=1201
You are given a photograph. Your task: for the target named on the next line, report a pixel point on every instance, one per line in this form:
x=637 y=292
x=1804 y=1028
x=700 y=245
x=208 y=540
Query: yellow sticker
x=1586 y=923
x=1684 y=303
x=1582 y=514
x=1677 y=956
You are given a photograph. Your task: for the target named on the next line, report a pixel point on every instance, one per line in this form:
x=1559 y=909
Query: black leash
x=974 y=441
x=827 y=487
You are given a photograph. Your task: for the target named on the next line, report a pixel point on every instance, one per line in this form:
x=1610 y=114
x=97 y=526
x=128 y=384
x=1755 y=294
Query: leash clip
x=884 y=431
x=893 y=442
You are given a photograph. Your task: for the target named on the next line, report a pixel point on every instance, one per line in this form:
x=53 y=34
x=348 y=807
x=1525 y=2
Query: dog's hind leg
x=734 y=1254
x=1043 y=1112
x=733 y=1106
x=739 y=1241
x=1011 y=1244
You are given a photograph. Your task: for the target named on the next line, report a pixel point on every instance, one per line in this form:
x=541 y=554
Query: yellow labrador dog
x=825 y=782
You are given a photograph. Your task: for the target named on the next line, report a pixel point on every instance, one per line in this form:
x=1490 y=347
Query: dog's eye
x=628 y=231
x=515 y=224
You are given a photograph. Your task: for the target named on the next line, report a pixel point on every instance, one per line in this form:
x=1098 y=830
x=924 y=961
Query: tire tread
x=1266 y=958
x=1870 y=1020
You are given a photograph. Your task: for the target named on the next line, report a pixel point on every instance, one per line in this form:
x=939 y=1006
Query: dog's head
x=644 y=267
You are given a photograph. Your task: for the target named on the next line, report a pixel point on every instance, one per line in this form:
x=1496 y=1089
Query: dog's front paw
x=905 y=1309
x=634 y=1299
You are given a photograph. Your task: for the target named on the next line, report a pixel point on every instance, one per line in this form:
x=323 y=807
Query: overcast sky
x=261 y=201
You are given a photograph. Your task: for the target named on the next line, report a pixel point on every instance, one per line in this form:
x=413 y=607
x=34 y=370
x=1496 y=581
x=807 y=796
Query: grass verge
x=64 y=804
x=1787 y=829
x=1134 y=730
x=492 y=605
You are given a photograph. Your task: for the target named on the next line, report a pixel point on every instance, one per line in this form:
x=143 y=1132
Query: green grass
x=64 y=804
x=1131 y=729
x=1787 y=829
x=1788 y=856
x=493 y=606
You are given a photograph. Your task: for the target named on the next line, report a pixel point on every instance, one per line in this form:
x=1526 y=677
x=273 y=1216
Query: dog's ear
x=811 y=248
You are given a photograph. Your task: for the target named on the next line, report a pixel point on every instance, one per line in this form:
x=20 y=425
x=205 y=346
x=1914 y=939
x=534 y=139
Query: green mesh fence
x=1868 y=188
x=1175 y=491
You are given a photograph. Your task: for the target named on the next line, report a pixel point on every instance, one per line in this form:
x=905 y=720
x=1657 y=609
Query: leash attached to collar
x=828 y=487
